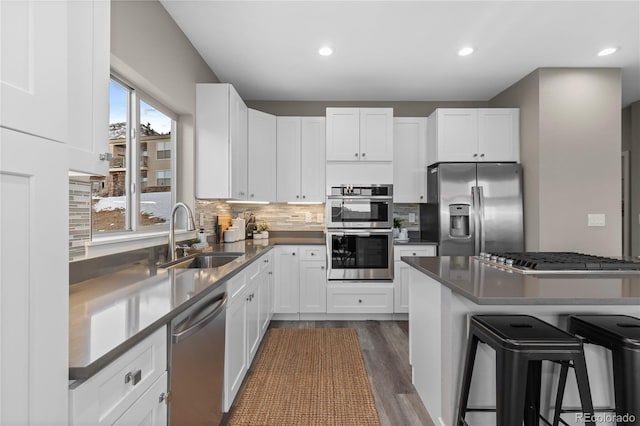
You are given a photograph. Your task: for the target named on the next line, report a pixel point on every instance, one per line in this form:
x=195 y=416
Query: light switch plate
x=412 y=217
x=307 y=217
x=596 y=219
x=319 y=218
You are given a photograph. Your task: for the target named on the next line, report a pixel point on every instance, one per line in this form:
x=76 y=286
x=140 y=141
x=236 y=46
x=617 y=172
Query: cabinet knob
x=313 y=254
x=482 y=155
x=414 y=254
x=359 y=300
x=364 y=153
x=322 y=267
x=304 y=196
x=297 y=196
x=356 y=154
x=164 y=397
x=422 y=197
x=475 y=155
x=106 y=156
x=293 y=254
x=252 y=195
x=270 y=273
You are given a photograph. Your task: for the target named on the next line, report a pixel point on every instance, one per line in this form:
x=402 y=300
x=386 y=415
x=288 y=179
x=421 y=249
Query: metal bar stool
x=621 y=335
x=521 y=343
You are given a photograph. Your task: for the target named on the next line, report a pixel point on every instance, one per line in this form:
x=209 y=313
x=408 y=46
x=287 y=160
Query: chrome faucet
x=172 y=237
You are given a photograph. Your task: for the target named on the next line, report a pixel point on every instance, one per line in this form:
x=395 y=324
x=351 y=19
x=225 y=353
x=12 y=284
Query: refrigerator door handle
x=475 y=201
x=481 y=218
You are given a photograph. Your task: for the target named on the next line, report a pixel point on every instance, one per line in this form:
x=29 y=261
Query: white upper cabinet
x=88 y=79
x=359 y=134
x=410 y=160
x=221 y=142
x=301 y=159
x=33 y=76
x=474 y=134
x=262 y=156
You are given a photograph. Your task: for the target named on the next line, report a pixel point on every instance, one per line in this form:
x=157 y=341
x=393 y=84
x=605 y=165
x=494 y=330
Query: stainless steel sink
x=203 y=260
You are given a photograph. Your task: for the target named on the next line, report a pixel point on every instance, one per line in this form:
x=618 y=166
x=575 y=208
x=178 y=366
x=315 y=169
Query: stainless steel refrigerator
x=473 y=208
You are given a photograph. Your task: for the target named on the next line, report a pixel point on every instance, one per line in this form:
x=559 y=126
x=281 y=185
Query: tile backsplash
x=279 y=216
x=403 y=211
x=79 y=216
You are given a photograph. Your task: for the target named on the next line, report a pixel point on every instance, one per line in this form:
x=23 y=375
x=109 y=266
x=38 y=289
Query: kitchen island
x=445 y=291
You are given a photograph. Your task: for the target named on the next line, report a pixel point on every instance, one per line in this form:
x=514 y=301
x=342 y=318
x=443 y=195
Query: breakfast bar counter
x=445 y=291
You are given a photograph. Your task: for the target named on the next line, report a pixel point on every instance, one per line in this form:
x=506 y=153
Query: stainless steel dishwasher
x=197 y=362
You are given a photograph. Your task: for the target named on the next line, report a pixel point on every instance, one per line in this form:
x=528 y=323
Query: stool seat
x=610 y=331
x=521 y=332
x=521 y=343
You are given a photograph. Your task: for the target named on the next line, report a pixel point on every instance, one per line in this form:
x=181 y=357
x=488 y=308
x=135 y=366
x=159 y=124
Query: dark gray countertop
x=489 y=285
x=110 y=314
x=414 y=241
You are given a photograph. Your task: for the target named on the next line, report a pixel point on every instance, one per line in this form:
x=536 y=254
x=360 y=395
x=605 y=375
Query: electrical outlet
x=307 y=217
x=319 y=218
x=412 y=217
x=596 y=219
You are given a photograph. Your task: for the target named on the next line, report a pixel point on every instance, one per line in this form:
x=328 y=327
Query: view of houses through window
x=137 y=193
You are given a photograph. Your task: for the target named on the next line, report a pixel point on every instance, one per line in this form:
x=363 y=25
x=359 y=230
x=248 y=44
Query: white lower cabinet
x=313 y=286
x=248 y=314
x=286 y=288
x=401 y=273
x=126 y=391
x=359 y=298
x=150 y=409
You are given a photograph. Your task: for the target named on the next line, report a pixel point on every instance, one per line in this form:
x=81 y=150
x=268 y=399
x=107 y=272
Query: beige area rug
x=308 y=377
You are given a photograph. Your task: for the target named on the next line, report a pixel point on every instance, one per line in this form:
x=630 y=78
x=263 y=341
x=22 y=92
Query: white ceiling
x=404 y=50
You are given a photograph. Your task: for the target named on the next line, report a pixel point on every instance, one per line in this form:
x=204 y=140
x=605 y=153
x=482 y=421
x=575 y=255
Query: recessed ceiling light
x=325 y=51
x=607 y=51
x=465 y=51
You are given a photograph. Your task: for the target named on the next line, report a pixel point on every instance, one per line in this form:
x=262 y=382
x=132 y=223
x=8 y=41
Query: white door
x=313 y=286
x=499 y=134
x=288 y=159
x=409 y=160
x=88 y=77
x=238 y=143
x=456 y=134
x=235 y=362
x=376 y=134
x=286 y=290
x=262 y=156
x=33 y=91
x=343 y=134
x=150 y=409
x=313 y=144
x=34 y=279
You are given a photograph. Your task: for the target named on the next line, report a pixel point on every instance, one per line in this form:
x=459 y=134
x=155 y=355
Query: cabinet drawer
x=421 y=250
x=313 y=253
x=235 y=285
x=103 y=398
x=351 y=299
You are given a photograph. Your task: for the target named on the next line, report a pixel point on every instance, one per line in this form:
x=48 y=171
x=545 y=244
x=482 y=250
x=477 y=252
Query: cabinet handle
x=482 y=155
x=356 y=154
x=313 y=254
x=414 y=254
x=133 y=377
x=165 y=397
x=106 y=156
x=475 y=155
x=270 y=273
x=322 y=267
x=252 y=195
x=364 y=153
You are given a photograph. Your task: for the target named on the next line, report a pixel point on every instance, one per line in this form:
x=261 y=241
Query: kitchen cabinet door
x=265 y=293
x=34 y=283
x=289 y=169
x=150 y=409
x=34 y=83
x=343 y=134
x=410 y=160
x=376 y=134
x=313 y=165
x=221 y=142
x=313 y=286
x=286 y=288
x=456 y=134
x=253 y=316
x=262 y=156
x=499 y=134
x=235 y=363
x=401 y=287
x=88 y=79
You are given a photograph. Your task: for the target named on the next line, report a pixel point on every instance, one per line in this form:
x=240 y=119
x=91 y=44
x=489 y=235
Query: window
x=137 y=195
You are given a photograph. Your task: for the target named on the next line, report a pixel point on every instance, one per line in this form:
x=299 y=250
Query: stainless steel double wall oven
x=359 y=232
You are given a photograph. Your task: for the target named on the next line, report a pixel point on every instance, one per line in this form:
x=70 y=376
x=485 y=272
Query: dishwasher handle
x=212 y=312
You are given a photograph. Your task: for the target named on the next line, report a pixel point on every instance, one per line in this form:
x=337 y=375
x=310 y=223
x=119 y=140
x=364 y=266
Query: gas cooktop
x=559 y=262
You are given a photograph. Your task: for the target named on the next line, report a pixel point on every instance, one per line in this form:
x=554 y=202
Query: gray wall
x=576 y=155
x=149 y=50
x=318 y=108
x=633 y=133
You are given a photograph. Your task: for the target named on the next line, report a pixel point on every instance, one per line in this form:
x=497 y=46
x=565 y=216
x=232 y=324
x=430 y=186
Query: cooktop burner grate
x=558 y=261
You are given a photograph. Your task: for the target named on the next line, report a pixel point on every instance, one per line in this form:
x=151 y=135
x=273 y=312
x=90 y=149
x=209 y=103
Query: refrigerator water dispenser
x=459 y=221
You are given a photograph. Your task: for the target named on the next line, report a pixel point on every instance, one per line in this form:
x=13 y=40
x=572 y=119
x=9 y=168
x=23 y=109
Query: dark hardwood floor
x=385 y=349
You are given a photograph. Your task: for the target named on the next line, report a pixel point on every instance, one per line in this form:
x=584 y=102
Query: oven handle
x=359 y=233
x=359 y=197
